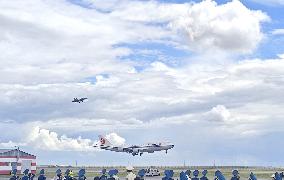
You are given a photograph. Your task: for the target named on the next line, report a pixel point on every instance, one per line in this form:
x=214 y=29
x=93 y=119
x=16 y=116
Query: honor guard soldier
x=235 y=174
x=67 y=174
x=81 y=174
x=188 y=173
x=130 y=175
x=58 y=175
x=183 y=176
x=115 y=174
x=195 y=175
x=26 y=177
x=41 y=175
x=111 y=173
x=103 y=176
x=31 y=176
x=252 y=176
x=141 y=174
x=204 y=173
x=14 y=175
x=276 y=176
x=219 y=176
x=168 y=175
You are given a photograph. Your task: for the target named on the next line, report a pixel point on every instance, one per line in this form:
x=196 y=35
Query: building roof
x=14 y=152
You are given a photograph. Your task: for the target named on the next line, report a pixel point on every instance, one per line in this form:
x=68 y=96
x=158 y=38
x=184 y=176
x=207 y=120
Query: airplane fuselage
x=135 y=150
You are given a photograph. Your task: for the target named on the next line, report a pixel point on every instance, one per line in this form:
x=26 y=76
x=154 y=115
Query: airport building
x=16 y=159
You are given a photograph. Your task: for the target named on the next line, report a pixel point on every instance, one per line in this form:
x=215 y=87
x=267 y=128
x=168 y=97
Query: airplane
x=135 y=149
x=79 y=100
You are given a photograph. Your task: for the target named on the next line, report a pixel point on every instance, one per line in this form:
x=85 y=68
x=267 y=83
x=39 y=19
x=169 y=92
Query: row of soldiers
x=218 y=175
x=69 y=175
x=113 y=175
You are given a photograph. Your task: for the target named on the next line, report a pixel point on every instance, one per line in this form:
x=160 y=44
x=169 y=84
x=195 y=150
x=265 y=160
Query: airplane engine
x=120 y=149
x=136 y=151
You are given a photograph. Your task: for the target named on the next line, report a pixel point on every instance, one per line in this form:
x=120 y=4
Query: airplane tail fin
x=104 y=141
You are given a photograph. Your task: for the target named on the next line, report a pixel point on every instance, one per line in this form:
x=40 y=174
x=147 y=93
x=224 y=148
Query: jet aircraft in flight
x=135 y=149
x=79 y=100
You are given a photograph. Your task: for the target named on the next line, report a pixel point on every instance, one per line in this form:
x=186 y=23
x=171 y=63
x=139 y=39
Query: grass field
x=263 y=173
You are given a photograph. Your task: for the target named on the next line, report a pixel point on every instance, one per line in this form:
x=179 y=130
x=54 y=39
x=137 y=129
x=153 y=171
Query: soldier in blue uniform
x=219 y=175
x=277 y=176
x=103 y=176
x=14 y=175
x=188 y=173
x=81 y=174
x=252 y=176
x=204 y=173
x=31 y=176
x=41 y=175
x=58 y=175
x=26 y=177
x=235 y=174
x=111 y=173
x=183 y=176
x=195 y=175
x=168 y=175
x=141 y=174
x=281 y=175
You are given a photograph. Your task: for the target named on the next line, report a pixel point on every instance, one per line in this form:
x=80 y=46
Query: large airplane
x=134 y=150
x=79 y=100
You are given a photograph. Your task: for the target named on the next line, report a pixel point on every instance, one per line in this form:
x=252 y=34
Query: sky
x=207 y=76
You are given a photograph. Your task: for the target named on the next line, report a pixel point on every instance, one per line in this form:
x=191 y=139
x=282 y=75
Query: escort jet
x=79 y=100
x=135 y=149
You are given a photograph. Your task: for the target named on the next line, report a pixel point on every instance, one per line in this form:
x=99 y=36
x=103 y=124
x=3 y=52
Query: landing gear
x=166 y=151
x=141 y=154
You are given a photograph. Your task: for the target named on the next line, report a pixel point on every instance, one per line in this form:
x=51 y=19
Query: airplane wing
x=134 y=146
x=156 y=145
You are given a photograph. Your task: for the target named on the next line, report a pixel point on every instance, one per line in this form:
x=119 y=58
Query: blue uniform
x=195 y=175
x=103 y=177
x=41 y=177
x=14 y=177
x=235 y=174
x=204 y=173
x=25 y=177
x=219 y=176
x=81 y=174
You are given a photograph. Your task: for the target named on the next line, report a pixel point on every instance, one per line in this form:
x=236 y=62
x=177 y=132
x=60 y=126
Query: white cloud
x=218 y=113
x=115 y=139
x=231 y=26
x=278 y=32
x=47 y=140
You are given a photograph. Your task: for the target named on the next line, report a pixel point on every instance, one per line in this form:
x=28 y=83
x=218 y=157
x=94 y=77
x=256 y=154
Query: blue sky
x=207 y=76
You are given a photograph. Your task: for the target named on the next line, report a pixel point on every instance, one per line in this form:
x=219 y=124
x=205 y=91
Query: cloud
x=50 y=141
x=231 y=26
x=218 y=113
x=278 y=32
x=115 y=139
x=47 y=140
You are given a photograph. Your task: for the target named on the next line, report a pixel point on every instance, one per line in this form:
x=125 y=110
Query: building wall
x=6 y=163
